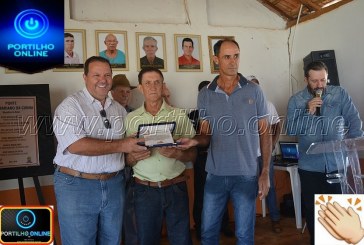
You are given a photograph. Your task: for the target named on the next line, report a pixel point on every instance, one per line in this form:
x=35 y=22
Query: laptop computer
x=289 y=153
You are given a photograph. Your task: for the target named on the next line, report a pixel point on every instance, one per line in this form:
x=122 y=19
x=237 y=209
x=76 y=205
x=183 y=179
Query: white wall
x=264 y=52
x=342 y=31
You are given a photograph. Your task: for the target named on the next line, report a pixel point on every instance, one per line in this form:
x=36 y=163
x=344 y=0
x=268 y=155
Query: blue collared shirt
x=339 y=119
x=234 y=125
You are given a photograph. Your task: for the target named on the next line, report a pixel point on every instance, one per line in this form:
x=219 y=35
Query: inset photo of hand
x=339 y=221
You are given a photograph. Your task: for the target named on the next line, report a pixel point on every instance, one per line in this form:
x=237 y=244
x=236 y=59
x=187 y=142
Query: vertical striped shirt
x=78 y=116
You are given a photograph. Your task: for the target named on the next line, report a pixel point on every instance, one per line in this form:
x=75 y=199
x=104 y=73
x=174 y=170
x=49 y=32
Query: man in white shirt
x=275 y=129
x=89 y=180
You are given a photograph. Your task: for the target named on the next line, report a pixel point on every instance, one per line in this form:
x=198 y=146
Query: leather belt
x=164 y=183
x=79 y=174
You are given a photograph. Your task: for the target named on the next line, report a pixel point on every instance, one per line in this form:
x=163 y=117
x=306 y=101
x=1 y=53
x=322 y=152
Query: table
x=296 y=190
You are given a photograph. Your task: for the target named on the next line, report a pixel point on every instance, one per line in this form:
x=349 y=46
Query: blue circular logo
x=31 y=23
x=25 y=219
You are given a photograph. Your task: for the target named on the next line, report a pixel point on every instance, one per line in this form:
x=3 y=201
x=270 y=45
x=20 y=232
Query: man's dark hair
x=67 y=34
x=149 y=69
x=217 y=45
x=187 y=39
x=203 y=84
x=94 y=59
x=316 y=66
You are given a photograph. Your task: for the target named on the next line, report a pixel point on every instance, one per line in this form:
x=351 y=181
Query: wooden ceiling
x=290 y=9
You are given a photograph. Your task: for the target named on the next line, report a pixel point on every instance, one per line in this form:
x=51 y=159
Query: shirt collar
x=67 y=55
x=213 y=85
x=165 y=107
x=327 y=91
x=90 y=99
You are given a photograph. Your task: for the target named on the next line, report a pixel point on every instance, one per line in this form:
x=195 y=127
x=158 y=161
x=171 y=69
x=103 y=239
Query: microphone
x=318 y=93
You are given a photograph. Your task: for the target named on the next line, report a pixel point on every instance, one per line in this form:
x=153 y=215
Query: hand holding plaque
x=157 y=134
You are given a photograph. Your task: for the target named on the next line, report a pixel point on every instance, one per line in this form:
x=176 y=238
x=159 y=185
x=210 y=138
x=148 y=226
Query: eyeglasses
x=106 y=121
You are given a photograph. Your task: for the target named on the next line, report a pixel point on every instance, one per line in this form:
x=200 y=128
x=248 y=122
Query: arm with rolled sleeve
x=72 y=137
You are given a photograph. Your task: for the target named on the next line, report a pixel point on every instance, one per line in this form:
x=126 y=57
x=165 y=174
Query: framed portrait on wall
x=74 y=50
x=151 y=50
x=188 y=52
x=113 y=45
x=212 y=40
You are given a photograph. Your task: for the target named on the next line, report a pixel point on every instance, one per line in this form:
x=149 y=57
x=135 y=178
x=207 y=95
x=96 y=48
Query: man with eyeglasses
x=89 y=179
x=111 y=53
x=319 y=112
x=160 y=189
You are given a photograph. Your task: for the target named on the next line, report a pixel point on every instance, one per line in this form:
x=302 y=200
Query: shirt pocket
x=246 y=115
x=332 y=108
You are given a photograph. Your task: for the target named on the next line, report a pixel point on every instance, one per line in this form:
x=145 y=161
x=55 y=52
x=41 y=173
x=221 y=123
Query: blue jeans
x=242 y=190
x=271 y=197
x=199 y=186
x=152 y=204
x=90 y=211
x=129 y=223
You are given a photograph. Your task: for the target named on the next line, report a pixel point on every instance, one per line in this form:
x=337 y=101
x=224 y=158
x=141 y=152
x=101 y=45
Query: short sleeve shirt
x=78 y=116
x=233 y=121
x=157 y=167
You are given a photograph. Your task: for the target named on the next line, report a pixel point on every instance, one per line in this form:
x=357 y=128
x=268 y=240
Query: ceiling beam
x=274 y=7
x=310 y=5
x=317 y=13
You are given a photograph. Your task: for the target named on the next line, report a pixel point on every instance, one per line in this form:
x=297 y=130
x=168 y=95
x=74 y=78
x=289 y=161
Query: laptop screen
x=289 y=151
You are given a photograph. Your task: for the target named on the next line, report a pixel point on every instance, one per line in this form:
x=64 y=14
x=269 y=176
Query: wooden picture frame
x=121 y=60
x=78 y=47
x=188 y=52
x=160 y=54
x=212 y=41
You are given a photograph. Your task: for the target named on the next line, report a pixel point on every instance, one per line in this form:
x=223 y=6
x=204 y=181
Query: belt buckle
x=159 y=183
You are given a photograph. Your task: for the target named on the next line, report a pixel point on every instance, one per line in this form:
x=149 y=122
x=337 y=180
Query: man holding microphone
x=320 y=113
